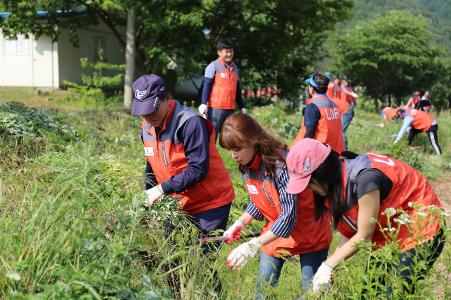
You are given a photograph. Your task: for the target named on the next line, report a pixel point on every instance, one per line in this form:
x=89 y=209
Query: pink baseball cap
x=303 y=159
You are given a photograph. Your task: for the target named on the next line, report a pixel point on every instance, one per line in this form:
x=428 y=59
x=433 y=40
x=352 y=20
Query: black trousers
x=432 y=135
x=217 y=117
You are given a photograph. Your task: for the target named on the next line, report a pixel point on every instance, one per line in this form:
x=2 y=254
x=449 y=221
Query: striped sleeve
x=254 y=212
x=286 y=221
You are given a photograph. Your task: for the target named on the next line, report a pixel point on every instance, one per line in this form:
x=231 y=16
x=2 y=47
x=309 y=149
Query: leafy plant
x=26 y=131
x=100 y=78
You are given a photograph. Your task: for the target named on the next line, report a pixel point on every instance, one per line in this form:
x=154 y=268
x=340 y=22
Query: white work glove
x=152 y=195
x=322 y=278
x=244 y=110
x=395 y=142
x=243 y=253
x=203 y=110
x=232 y=234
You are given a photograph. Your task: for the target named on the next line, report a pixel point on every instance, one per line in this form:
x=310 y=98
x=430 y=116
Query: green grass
x=71 y=224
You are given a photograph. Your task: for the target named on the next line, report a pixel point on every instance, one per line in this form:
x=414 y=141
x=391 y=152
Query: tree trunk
x=129 y=58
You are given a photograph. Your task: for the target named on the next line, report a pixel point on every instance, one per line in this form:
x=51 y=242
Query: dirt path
x=443 y=189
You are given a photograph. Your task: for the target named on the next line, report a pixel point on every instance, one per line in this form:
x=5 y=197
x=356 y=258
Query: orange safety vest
x=308 y=234
x=223 y=91
x=165 y=153
x=412 y=102
x=329 y=129
x=331 y=90
x=334 y=93
x=408 y=186
x=390 y=112
x=421 y=119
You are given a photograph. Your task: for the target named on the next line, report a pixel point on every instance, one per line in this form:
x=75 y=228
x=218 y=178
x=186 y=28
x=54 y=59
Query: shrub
x=26 y=131
x=98 y=82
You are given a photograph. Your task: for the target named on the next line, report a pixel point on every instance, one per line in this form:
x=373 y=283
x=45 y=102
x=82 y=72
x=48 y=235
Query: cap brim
x=297 y=184
x=311 y=82
x=142 y=108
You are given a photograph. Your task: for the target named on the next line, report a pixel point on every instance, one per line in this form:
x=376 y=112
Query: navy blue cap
x=148 y=91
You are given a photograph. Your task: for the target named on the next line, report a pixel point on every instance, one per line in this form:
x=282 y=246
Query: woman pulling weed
x=364 y=189
x=182 y=159
x=292 y=227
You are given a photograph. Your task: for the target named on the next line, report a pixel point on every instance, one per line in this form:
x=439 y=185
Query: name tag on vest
x=148 y=151
x=223 y=75
x=252 y=189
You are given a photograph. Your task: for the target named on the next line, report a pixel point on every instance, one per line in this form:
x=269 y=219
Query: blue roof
x=45 y=13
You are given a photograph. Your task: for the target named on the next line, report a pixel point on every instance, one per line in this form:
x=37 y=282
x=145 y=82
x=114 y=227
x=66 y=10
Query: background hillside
x=436 y=12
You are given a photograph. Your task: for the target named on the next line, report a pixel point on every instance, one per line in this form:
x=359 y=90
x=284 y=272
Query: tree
x=129 y=58
x=276 y=42
x=441 y=90
x=390 y=56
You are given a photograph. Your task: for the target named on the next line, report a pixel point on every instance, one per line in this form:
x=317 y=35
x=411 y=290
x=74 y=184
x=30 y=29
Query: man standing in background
x=221 y=92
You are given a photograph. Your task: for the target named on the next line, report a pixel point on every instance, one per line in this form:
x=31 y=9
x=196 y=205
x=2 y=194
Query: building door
x=43 y=62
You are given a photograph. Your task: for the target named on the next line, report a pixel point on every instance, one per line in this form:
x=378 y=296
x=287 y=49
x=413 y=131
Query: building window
x=100 y=49
x=17 y=46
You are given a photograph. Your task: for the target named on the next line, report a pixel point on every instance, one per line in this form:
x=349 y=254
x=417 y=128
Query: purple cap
x=148 y=90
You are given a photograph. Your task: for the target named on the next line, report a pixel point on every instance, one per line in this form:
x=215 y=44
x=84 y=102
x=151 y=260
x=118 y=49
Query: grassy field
x=71 y=225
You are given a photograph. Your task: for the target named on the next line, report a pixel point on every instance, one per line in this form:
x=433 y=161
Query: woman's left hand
x=322 y=278
x=243 y=253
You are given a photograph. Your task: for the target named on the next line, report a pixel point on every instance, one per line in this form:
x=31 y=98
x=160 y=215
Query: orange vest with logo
x=165 y=153
x=390 y=112
x=421 y=119
x=409 y=187
x=328 y=129
x=308 y=234
x=223 y=91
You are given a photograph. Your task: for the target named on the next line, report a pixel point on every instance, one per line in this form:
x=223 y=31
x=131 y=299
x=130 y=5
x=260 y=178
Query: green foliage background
x=411 y=60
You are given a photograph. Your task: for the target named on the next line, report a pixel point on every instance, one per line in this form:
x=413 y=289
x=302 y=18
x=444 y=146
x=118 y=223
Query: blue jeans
x=346 y=119
x=270 y=268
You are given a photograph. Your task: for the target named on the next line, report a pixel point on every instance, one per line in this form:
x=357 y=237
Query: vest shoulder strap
x=324 y=102
x=180 y=116
x=353 y=168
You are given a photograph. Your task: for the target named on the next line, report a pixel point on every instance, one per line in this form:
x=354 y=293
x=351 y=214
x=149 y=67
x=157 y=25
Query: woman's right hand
x=232 y=234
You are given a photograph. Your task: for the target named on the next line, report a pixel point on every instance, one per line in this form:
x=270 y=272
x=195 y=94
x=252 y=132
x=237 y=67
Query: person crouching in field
x=321 y=117
x=388 y=113
x=182 y=159
x=292 y=227
x=418 y=121
x=362 y=189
